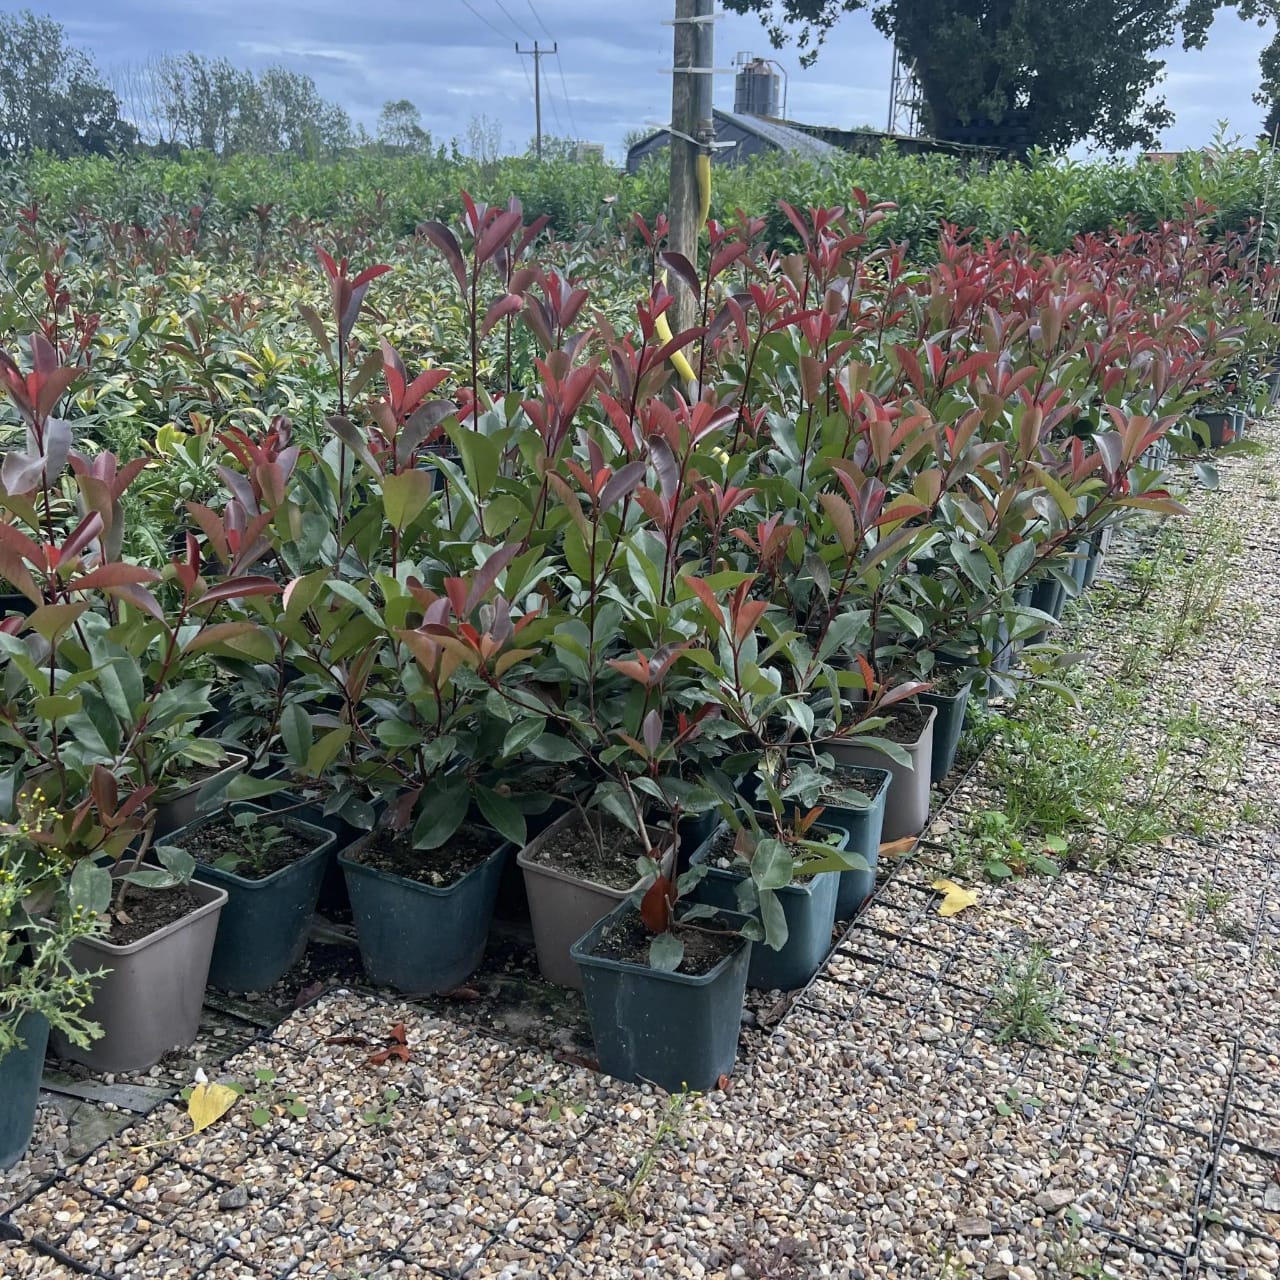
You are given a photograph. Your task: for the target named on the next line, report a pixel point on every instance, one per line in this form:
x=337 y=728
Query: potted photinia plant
x=423 y=882
x=106 y=680
x=271 y=864
x=44 y=913
x=783 y=869
x=851 y=799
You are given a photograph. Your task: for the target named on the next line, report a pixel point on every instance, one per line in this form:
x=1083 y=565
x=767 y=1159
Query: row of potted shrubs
x=679 y=582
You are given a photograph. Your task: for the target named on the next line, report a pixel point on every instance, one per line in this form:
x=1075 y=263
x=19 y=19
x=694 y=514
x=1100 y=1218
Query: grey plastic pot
x=677 y=1030
x=262 y=931
x=947 y=728
x=20 y=1088
x=179 y=810
x=562 y=908
x=150 y=1001
x=810 y=909
x=906 y=809
x=413 y=936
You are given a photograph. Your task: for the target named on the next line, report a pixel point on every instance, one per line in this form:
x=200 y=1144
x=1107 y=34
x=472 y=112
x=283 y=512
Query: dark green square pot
x=676 y=1030
x=415 y=937
x=20 y=1071
x=864 y=827
x=262 y=931
x=810 y=909
x=947 y=728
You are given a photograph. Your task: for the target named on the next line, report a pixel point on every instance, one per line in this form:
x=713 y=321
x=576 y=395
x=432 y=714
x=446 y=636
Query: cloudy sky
x=456 y=60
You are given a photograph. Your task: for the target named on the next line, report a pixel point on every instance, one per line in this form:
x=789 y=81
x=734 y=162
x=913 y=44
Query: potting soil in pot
x=393 y=852
x=147 y=910
x=606 y=854
x=628 y=940
x=221 y=838
x=905 y=725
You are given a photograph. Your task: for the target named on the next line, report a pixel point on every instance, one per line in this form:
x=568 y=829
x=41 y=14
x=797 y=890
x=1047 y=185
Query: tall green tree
x=51 y=95
x=400 y=127
x=1052 y=74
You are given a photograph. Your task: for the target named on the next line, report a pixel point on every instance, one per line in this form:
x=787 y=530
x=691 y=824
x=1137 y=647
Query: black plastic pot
x=415 y=937
x=333 y=897
x=947 y=727
x=262 y=931
x=1049 y=596
x=15 y=602
x=1098 y=544
x=20 y=1088
x=1218 y=422
x=810 y=909
x=676 y=1030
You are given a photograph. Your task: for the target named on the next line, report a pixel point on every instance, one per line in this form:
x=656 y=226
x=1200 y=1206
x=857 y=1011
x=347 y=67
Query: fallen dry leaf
x=955 y=897
x=897 y=848
x=209 y=1102
x=398 y=1048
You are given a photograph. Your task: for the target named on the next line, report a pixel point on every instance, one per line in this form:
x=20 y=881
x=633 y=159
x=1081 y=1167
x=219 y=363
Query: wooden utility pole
x=537 y=55
x=692 y=130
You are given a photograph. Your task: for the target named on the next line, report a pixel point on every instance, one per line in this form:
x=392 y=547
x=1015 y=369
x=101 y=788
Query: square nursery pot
x=1098 y=544
x=417 y=937
x=179 y=809
x=906 y=810
x=262 y=931
x=810 y=909
x=864 y=827
x=677 y=1030
x=20 y=1088
x=333 y=898
x=150 y=1001
x=947 y=728
x=1221 y=425
x=563 y=907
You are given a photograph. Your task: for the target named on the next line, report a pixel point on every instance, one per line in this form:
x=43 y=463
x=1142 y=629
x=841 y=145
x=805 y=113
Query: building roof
x=736 y=128
x=782 y=136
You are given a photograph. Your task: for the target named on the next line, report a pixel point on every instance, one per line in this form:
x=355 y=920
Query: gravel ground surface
x=877 y=1125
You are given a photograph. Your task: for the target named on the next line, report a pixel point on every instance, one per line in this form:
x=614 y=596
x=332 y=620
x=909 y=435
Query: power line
x=568 y=106
x=485 y=20
x=538 y=19
x=524 y=31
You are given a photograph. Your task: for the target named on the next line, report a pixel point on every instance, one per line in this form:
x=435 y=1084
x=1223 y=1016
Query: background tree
x=1053 y=73
x=400 y=127
x=52 y=97
x=484 y=139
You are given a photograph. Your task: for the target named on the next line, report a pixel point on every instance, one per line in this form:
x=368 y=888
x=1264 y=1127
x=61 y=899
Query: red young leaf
x=655 y=906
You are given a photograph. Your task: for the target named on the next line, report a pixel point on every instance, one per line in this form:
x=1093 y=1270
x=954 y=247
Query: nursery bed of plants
x=455 y=605
x=914 y=1112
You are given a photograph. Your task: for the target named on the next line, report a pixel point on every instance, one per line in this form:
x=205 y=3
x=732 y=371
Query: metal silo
x=755 y=90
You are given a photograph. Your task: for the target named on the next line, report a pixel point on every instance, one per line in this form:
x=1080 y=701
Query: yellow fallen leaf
x=209 y=1102
x=955 y=897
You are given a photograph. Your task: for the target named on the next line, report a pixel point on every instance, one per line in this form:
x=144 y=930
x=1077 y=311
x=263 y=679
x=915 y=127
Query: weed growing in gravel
x=1214 y=542
x=552 y=1106
x=383 y=1114
x=990 y=846
x=268 y=1103
x=1209 y=901
x=672 y=1130
x=1017 y=1102
x=1112 y=1052
x=1024 y=1004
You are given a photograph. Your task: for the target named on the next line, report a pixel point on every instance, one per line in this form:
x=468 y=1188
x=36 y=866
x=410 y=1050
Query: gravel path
x=879 y=1128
